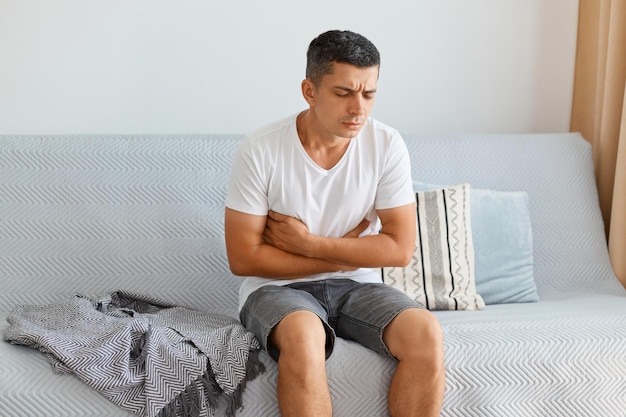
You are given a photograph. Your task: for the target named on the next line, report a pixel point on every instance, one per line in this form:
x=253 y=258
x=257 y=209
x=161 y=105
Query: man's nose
x=357 y=105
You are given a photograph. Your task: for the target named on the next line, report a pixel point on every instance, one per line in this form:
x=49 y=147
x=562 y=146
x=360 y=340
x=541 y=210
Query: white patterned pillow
x=441 y=274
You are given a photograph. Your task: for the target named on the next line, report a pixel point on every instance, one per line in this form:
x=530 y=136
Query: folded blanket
x=148 y=356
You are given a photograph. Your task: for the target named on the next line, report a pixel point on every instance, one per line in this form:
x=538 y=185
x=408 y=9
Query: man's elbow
x=404 y=256
x=405 y=261
x=238 y=267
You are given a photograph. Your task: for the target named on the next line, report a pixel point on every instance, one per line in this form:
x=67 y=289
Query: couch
x=91 y=214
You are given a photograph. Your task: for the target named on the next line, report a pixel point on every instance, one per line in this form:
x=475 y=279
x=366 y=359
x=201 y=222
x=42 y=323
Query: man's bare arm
x=249 y=255
x=393 y=246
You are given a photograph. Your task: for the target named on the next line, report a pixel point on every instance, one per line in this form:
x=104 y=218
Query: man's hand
x=286 y=233
x=292 y=235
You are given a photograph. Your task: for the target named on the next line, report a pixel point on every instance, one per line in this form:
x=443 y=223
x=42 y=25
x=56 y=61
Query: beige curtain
x=599 y=112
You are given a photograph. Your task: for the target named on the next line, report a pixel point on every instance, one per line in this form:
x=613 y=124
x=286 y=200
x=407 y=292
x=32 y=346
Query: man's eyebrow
x=350 y=90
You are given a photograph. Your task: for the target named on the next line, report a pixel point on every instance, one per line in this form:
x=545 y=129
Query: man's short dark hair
x=339 y=46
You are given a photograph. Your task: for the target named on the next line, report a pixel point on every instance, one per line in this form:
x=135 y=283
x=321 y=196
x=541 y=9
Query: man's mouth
x=352 y=125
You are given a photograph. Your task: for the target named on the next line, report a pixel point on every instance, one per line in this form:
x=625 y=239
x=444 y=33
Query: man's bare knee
x=415 y=332
x=300 y=333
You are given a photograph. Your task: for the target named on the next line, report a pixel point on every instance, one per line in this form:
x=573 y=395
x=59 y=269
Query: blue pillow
x=503 y=247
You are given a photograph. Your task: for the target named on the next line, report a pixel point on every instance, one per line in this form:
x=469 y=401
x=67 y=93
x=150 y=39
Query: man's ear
x=309 y=91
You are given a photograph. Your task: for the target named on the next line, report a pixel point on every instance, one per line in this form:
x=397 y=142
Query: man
x=316 y=204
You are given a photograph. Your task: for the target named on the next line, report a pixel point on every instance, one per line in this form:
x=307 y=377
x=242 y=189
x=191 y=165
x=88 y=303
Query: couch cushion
x=441 y=273
x=503 y=248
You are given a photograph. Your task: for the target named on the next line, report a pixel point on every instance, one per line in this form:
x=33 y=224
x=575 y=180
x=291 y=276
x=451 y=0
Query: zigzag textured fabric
x=440 y=275
x=149 y=357
x=92 y=214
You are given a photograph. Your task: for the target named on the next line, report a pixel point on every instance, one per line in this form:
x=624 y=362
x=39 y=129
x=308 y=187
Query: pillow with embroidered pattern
x=441 y=274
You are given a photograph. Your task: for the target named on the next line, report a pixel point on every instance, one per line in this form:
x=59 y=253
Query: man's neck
x=324 y=149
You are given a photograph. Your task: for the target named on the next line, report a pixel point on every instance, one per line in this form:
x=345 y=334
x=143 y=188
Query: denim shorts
x=348 y=309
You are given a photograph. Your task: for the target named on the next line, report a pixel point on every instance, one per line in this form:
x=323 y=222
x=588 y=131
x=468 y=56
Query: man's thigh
x=367 y=310
x=268 y=305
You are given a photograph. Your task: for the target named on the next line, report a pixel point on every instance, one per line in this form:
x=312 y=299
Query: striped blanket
x=147 y=356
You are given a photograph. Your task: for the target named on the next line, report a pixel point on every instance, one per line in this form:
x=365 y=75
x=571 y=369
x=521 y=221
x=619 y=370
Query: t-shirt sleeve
x=247 y=186
x=396 y=186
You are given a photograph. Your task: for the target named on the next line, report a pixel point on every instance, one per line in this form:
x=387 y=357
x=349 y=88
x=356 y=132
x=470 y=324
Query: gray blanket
x=147 y=356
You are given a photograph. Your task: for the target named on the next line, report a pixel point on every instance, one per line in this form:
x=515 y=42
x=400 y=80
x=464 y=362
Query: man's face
x=343 y=100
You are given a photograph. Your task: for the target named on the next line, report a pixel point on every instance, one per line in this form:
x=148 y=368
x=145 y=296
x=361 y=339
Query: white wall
x=205 y=66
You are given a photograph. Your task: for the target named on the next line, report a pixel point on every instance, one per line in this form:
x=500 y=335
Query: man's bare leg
x=415 y=338
x=302 y=385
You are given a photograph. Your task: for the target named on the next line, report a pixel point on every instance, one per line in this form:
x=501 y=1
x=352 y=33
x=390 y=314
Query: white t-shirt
x=272 y=170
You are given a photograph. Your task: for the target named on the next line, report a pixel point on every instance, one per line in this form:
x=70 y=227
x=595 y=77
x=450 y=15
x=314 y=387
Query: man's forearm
x=267 y=261
x=393 y=246
x=249 y=254
x=373 y=251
